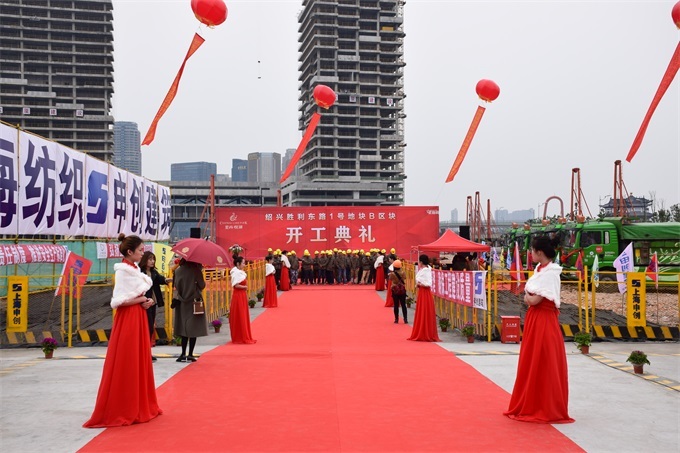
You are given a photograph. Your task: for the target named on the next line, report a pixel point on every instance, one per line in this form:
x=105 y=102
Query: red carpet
x=331 y=372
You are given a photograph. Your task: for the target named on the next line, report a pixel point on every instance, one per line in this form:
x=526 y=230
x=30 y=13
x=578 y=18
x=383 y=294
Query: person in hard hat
x=276 y=262
x=294 y=266
x=425 y=321
x=379 y=272
x=365 y=268
x=354 y=266
x=397 y=284
x=270 y=296
x=324 y=259
x=307 y=268
x=284 y=282
x=374 y=256
x=315 y=267
x=341 y=265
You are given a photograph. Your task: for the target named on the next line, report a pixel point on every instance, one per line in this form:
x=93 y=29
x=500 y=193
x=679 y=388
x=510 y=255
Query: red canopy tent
x=451 y=242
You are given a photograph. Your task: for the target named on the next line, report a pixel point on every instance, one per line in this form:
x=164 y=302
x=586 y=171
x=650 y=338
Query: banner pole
x=70 y=308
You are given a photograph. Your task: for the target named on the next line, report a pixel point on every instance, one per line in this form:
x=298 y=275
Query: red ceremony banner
x=326 y=227
x=32 y=253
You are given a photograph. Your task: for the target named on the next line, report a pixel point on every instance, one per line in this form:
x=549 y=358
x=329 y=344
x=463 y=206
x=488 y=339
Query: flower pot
x=638 y=369
x=49 y=355
x=471 y=339
x=217 y=329
x=584 y=349
x=443 y=328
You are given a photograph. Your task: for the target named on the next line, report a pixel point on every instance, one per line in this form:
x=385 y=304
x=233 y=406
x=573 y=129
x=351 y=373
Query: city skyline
x=567 y=99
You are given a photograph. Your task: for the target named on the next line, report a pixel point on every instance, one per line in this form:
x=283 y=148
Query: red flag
x=195 y=44
x=672 y=69
x=466 y=143
x=516 y=272
x=81 y=267
x=579 y=264
x=530 y=261
x=301 y=147
x=653 y=270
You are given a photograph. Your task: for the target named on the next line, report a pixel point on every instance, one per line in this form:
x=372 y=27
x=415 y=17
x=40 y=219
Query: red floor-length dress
x=541 y=392
x=285 y=279
x=380 y=278
x=270 y=296
x=425 y=322
x=127 y=391
x=389 y=302
x=239 y=317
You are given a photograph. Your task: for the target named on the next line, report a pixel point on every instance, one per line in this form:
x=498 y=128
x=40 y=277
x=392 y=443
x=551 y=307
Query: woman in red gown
x=541 y=392
x=284 y=282
x=379 y=272
x=270 y=296
x=425 y=321
x=239 y=315
x=127 y=391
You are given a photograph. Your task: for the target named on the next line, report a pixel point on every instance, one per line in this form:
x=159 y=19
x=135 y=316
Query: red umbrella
x=201 y=251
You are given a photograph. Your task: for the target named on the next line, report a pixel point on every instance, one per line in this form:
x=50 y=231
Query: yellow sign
x=17 y=304
x=163 y=256
x=637 y=299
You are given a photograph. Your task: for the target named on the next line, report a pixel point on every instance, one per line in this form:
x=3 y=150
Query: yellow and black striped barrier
x=90 y=336
x=627 y=332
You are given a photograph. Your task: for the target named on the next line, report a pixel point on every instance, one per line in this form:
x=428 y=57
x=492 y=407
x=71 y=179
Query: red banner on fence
x=32 y=253
x=326 y=227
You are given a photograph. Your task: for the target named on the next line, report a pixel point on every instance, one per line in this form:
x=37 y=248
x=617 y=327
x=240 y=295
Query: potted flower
x=252 y=303
x=48 y=346
x=468 y=331
x=235 y=250
x=638 y=359
x=260 y=295
x=217 y=325
x=583 y=341
x=409 y=301
x=444 y=324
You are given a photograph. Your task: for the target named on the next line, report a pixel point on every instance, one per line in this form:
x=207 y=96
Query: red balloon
x=675 y=14
x=487 y=90
x=324 y=96
x=209 y=12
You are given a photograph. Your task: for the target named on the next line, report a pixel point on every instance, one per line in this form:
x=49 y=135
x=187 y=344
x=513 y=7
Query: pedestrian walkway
x=331 y=372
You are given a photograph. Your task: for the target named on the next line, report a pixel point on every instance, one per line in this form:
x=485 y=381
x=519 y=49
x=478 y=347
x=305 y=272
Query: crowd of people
x=331 y=267
x=127 y=393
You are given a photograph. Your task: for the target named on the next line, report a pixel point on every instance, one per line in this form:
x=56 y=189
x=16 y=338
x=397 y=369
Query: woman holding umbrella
x=239 y=315
x=189 y=284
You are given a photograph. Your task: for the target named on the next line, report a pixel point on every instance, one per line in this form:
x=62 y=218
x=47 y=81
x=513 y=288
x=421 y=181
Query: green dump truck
x=608 y=237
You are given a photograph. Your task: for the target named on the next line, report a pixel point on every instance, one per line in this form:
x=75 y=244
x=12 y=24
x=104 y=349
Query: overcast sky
x=576 y=79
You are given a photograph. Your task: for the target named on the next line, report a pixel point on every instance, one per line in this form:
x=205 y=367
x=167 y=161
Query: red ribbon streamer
x=466 y=143
x=672 y=69
x=301 y=147
x=172 y=92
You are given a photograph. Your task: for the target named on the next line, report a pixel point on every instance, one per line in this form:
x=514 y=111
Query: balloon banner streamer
x=172 y=92
x=665 y=83
x=325 y=98
x=488 y=91
x=301 y=147
x=466 y=143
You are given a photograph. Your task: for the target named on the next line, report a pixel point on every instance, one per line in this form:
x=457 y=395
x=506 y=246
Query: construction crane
x=577 y=197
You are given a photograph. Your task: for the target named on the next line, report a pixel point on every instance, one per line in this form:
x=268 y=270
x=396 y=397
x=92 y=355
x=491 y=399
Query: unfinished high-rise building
x=356 y=155
x=56 y=71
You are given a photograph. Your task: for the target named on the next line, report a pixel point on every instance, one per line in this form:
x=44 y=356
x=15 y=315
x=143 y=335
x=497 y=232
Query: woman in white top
x=425 y=322
x=270 y=296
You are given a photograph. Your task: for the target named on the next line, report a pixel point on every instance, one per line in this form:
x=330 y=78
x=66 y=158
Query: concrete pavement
x=45 y=402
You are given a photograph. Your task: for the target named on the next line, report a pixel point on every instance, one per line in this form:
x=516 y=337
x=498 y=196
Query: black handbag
x=175 y=303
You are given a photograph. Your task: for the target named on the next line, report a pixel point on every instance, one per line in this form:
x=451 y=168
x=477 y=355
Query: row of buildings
x=56 y=79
